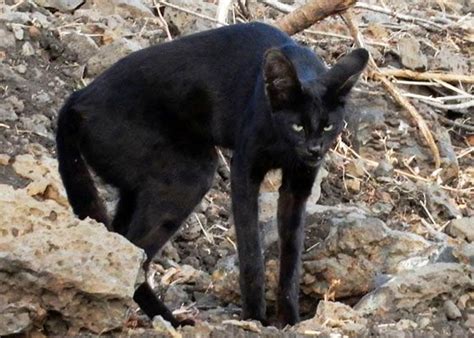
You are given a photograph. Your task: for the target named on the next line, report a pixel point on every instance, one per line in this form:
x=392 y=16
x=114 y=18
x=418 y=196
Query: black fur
x=149 y=126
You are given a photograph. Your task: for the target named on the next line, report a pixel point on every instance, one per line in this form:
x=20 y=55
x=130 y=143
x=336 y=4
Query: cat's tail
x=77 y=180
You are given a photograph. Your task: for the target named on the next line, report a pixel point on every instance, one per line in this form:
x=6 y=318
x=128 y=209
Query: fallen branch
x=455 y=124
x=310 y=13
x=409 y=74
x=455 y=106
x=394 y=92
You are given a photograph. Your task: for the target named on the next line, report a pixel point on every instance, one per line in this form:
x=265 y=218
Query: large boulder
x=357 y=252
x=415 y=290
x=54 y=267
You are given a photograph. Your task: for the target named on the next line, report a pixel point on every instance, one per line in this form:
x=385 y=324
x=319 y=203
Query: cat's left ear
x=340 y=79
x=281 y=81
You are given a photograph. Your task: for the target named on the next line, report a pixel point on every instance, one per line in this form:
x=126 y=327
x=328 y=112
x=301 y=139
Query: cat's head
x=307 y=99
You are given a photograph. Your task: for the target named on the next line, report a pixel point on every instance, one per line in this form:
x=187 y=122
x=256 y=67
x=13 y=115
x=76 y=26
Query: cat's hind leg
x=124 y=211
x=165 y=199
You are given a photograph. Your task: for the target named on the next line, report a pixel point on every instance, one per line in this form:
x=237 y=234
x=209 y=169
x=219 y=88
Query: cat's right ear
x=281 y=82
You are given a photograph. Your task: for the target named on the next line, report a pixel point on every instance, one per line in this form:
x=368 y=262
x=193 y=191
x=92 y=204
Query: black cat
x=149 y=125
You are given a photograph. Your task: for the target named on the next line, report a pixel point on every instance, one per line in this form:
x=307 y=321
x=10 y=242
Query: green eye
x=328 y=128
x=297 y=127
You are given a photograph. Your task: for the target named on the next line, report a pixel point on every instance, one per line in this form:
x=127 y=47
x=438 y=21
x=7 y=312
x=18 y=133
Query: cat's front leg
x=245 y=184
x=294 y=191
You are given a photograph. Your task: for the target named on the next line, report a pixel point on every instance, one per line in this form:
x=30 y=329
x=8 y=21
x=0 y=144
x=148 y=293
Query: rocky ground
x=389 y=249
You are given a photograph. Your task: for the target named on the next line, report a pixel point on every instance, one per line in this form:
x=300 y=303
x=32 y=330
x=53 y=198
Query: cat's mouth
x=311 y=160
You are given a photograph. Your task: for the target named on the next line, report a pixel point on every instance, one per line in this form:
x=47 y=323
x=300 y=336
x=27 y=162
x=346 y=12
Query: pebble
x=469 y=321
x=21 y=69
x=18 y=31
x=27 y=49
x=452 y=311
x=384 y=169
x=4 y=159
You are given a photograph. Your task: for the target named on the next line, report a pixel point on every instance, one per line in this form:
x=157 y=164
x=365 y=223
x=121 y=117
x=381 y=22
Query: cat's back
x=219 y=49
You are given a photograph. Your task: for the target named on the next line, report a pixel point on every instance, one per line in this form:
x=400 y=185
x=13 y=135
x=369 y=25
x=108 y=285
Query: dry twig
x=310 y=13
x=394 y=92
x=409 y=74
x=427 y=24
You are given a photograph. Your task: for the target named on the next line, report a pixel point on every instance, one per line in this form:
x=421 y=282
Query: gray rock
x=417 y=290
x=464 y=253
x=448 y=60
x=14 y=320
x=60 y=5
x=9 y=107
x=109 y=54
x=124 y=8
x=7 y=39
x=356 y=248
x=52 y=264
x=81 y=45
x=186 y=23
x=176 y=296
x=27 y=49
x=38 y=124
x=462 y=228
x=410 y=53
x=384 y=169
x=18 y=31
x=440 y=204
x=448 y=155
x=452 y=311
x=8 y=75
x=12 y=16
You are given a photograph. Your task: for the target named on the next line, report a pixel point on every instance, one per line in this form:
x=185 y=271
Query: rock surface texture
x=54 y=267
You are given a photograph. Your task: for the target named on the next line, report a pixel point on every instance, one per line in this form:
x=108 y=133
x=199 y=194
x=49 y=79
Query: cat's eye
x=328 y=128
x=297 y=127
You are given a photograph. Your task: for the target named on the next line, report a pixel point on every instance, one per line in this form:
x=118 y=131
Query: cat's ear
x=281 y=81
x=340 y=79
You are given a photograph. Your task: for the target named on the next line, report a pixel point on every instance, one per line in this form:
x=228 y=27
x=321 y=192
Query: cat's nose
x=314 y=150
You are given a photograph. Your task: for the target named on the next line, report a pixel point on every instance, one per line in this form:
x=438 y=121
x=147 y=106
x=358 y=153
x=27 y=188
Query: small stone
x=176 y=296
x=410 y=53
x=424 y=322
x=353 y=185
x=7 y=39
x=21 y=69
x=164 y=327
x=469 y=321
x=384 y=169
x=27 y=49
x=452 y=311
x=4 y=159
x=81 y=45
x=462 y=301
x=18 y=31
x=109 y=54
x=9 y=107
x=356 y=168
x=462 y=228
